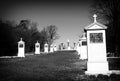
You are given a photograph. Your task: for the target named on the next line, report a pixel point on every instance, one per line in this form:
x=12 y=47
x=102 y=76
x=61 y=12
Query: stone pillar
x=83 y=52
x=55 y=48
x=96 y=44
x=68 y=45
x=51 y=48
x=61 y=46
x=79 y=47
x=74 y=48
x=21 y=48
x=46 y=48
x=37 y=48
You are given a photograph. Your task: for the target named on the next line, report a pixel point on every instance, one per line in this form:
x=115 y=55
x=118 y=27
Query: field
x=58 y=66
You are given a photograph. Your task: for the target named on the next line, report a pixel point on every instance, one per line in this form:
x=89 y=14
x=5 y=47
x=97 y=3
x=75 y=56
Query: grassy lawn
x=58 y=66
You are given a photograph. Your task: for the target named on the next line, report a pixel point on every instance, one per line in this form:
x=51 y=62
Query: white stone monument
x=21 y=48
x=96 y=44
x=74 y=47
x=83 y=52
x=61 y=46
x=78 y=48
x=37 y=48
x=68 y=45
x=51 y=48
x=55 y=48
x=46 y=48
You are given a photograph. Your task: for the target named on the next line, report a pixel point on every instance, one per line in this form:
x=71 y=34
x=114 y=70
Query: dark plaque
x=84 y=43
x=37 y=46
x=21 y=45
x=79 y=45
x=96 y=37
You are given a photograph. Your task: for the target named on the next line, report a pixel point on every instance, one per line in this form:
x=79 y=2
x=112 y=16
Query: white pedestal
x=94 y=68
x=68 y=48
x=51 y=49
x=21 y=52
x=21 y=48
x=37 y=51
x=96 y=48
x=46 y=50
x=55 y=48
x=78 y=50
x=83 y=54
x=37 y=48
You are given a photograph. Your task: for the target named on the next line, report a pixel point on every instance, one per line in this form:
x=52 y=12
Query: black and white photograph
x=59 y=40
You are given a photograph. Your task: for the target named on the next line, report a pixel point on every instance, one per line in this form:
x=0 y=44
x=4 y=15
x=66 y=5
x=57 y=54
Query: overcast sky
x=69 y=16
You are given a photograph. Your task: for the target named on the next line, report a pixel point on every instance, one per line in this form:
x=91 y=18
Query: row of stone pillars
x=52 y=48
x=96 y=48
x=21 y=48
x=82 y=47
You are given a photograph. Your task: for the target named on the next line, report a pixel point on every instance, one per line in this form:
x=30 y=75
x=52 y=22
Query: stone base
x=97 y=73
x=68 y=48
x=37 y=52
x=21 y=55
x=94 y=68
x=83 y=58
x=46 y=52
x=51 y=50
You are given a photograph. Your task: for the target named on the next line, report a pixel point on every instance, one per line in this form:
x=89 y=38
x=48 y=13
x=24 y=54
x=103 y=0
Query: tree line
x=11 y=33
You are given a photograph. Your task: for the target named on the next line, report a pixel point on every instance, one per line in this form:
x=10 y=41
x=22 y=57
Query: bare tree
x=51 y=32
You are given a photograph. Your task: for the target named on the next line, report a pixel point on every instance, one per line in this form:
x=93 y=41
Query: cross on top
x=95 y=16
x=68 y=40
x=20 y=39
x=37 y=41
